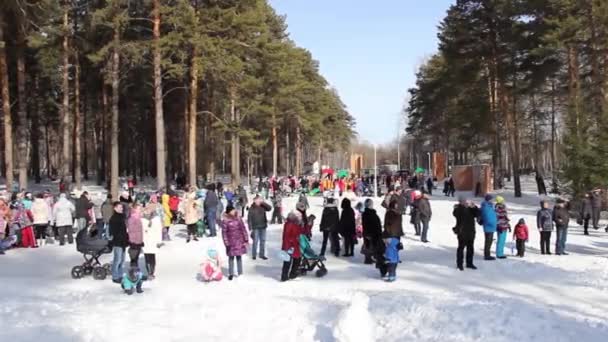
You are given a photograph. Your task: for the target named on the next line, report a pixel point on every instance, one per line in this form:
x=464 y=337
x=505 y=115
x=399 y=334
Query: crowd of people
x=140 y=222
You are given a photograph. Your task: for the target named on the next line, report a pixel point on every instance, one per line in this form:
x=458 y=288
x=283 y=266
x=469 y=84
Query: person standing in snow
x=211 y=207
x=502 y=227
x=119 y=242
x=489 y=221
x=83 y=205
x=465 y=213
x=424 y=214
x=586 y=212
x=291 y=245
x=167 y=215
x=63 y=218
x=277 y=204
x=329 y=227
x=596 y=207
x=191 y=216
x=106 y=213
x=236 y=239
x=544 y=223
x=561 y=217
x=135 y=230
x=347 y=227
x=258 y=224
x=393 y=231
x=430 y=185
x=40 y=213
x=372 y=232
x=152 y=225
x=521 y=234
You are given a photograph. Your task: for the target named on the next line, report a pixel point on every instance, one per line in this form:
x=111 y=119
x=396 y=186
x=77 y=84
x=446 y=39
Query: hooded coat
x=393 y=224
x=291 y=235
x=234 y=234
x=347 y=225
x=135 y=230
x=372 y=227
x=488 y=217
x=465 y=221
x=40 y=212
x=63 y=212
x=118 y=230
x=502 y=216
x=330 y=218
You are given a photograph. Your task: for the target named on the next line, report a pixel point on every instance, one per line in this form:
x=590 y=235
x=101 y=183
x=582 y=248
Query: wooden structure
x=439 y=163
x=467 y=178
x=356 y=164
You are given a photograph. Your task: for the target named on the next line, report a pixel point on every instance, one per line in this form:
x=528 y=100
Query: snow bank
x=355 y=323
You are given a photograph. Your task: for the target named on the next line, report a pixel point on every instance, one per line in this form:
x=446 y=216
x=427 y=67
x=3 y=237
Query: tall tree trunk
x=115 y=95
x=85 y=137
x=98 y=139
x=553 y=138
x=159 y=118
x=23 y=130
x=6 y=109
x=275 y=147
x=513 y=139
x=36 y=131
x=193 y=122
x=287 y=151
x=234 y=150
x=299 y=151
x=77 y=125
x=47 y=139
x=65 y=108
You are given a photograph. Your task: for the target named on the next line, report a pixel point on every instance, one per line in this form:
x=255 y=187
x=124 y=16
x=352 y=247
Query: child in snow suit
x=391 y=254
x=520 y=234
x=132 y=281
x=291 y=245
x=501 y=227
x=211 y=268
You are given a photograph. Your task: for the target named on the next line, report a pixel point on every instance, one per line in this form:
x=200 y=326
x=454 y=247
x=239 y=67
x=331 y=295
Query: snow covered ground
x=538 y=298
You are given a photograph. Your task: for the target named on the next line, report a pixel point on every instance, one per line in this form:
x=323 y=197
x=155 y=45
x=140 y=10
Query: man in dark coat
x=586 y=212
x=372 y=231
x=258 y=223
x=329 y=227
x=347 y=227
x=424 y=213
x=120 y=241
x=465 y=213
x=211 y=203
x=561 y=217
x=596 y=207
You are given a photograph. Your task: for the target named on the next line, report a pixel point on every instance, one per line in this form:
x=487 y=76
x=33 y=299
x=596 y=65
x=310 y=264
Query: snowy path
x=538 y=298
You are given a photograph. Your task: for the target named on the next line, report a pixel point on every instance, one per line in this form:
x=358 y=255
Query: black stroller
x=91 y=247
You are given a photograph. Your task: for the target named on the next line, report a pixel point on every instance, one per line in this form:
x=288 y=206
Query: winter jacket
x=596 y=200
x=391 y=253
x=191 y=213
x=118 y=230
x=291 y=237
x=401 y=202
x=256 y=218
x=544 y=220
x=330 y=218
x=211 y=201
x=347 y=224
x=372 y=227
x=488 y=217
x=153 y=230
x=135 y=230
x=107 y=211
x=521 y=232
x=424 y=209
x=586 y=208
x=174 y=203
x=40 y=212
x=83 y=205
x=234 y=234
x=63 y=212
x=393 y=224
x=561 y=216
x=503 y=218
x=167 y=214
x=465 y=221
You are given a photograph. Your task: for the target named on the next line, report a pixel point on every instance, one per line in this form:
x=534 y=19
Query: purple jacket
x=235 y=235
x=135 y=229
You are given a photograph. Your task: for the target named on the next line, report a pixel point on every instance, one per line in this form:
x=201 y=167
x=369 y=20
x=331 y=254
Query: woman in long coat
x=235 y=238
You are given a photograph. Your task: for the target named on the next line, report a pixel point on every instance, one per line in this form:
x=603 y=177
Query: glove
x=290 y=251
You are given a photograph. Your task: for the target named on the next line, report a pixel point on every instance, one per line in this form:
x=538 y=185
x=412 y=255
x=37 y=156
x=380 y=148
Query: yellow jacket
x=167 y=211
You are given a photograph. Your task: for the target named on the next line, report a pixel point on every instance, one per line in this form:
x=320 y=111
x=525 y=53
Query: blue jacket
x=129 y=284
x=391 y=254
x=488 y=217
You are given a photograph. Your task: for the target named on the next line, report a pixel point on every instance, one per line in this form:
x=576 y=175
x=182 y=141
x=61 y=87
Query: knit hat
x=500 y=200
x=489 y=197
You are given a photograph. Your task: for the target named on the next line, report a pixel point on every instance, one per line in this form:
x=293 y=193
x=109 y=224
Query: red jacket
x=521 y=232
x=173 y=203
x=291 y=238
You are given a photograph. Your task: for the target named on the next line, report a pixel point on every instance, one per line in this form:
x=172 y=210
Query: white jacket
x=153 y=230
x=63 y=212
x=40 y=211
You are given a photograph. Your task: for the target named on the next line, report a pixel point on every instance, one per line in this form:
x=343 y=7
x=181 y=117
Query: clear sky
x=369 y=51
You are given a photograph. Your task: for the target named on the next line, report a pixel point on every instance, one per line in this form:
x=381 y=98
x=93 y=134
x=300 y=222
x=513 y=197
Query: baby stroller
x=310 y=259
x=91 y=247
